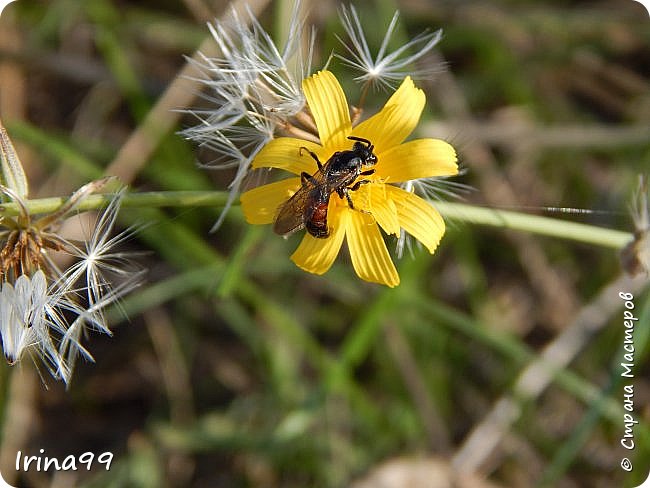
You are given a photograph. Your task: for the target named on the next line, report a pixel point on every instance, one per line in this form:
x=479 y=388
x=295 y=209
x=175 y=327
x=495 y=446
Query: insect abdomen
x=316 y=224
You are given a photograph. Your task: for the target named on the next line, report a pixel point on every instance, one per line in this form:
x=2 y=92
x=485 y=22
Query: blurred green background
x=235 y=369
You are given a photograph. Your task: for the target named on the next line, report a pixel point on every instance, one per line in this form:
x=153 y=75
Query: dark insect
x=308 y=206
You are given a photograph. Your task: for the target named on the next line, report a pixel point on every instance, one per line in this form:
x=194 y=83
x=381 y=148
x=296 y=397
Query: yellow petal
x=421 y=158
x=370 y=258
x=317 y=255
x=329 y=108
x=376 y=201
x=285 y=153
x=260 y=205
x=396 y=120
x=418 y=217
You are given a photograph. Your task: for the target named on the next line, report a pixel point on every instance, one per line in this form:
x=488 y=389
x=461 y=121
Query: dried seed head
x=385 y=68
x=45 y=311
x=635 y=257
x=253 y=91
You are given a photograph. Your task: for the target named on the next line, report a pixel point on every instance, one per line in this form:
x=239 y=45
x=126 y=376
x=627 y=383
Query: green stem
x=152 y=199
x=574 y=231
x=536 y=224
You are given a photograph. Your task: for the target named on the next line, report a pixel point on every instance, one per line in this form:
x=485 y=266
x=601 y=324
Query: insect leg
x=346 y=192
x=356 y=186
x=313 y=155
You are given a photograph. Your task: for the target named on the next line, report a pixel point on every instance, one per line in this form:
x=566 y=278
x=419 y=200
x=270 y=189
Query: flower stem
x=152 y=199
x=536 y=224
x=574 y=231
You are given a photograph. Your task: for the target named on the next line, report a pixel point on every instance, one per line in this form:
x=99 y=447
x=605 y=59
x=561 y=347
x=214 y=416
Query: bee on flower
x=46 y=309
x=353 y=177
x=379 y=202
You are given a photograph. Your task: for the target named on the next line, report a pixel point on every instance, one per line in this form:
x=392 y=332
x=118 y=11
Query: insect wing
x=290 y=217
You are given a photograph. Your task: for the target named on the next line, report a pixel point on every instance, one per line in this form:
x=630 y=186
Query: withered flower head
x=45 y=308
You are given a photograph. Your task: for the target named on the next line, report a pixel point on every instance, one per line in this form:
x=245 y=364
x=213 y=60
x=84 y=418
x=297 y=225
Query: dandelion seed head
x=384 y=68
x=252 y=90
x=45 y=311
x=15 y=301
x=30 y=322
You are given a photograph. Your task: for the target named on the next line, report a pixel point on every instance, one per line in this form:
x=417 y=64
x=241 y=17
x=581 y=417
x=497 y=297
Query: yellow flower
x=379 y=201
